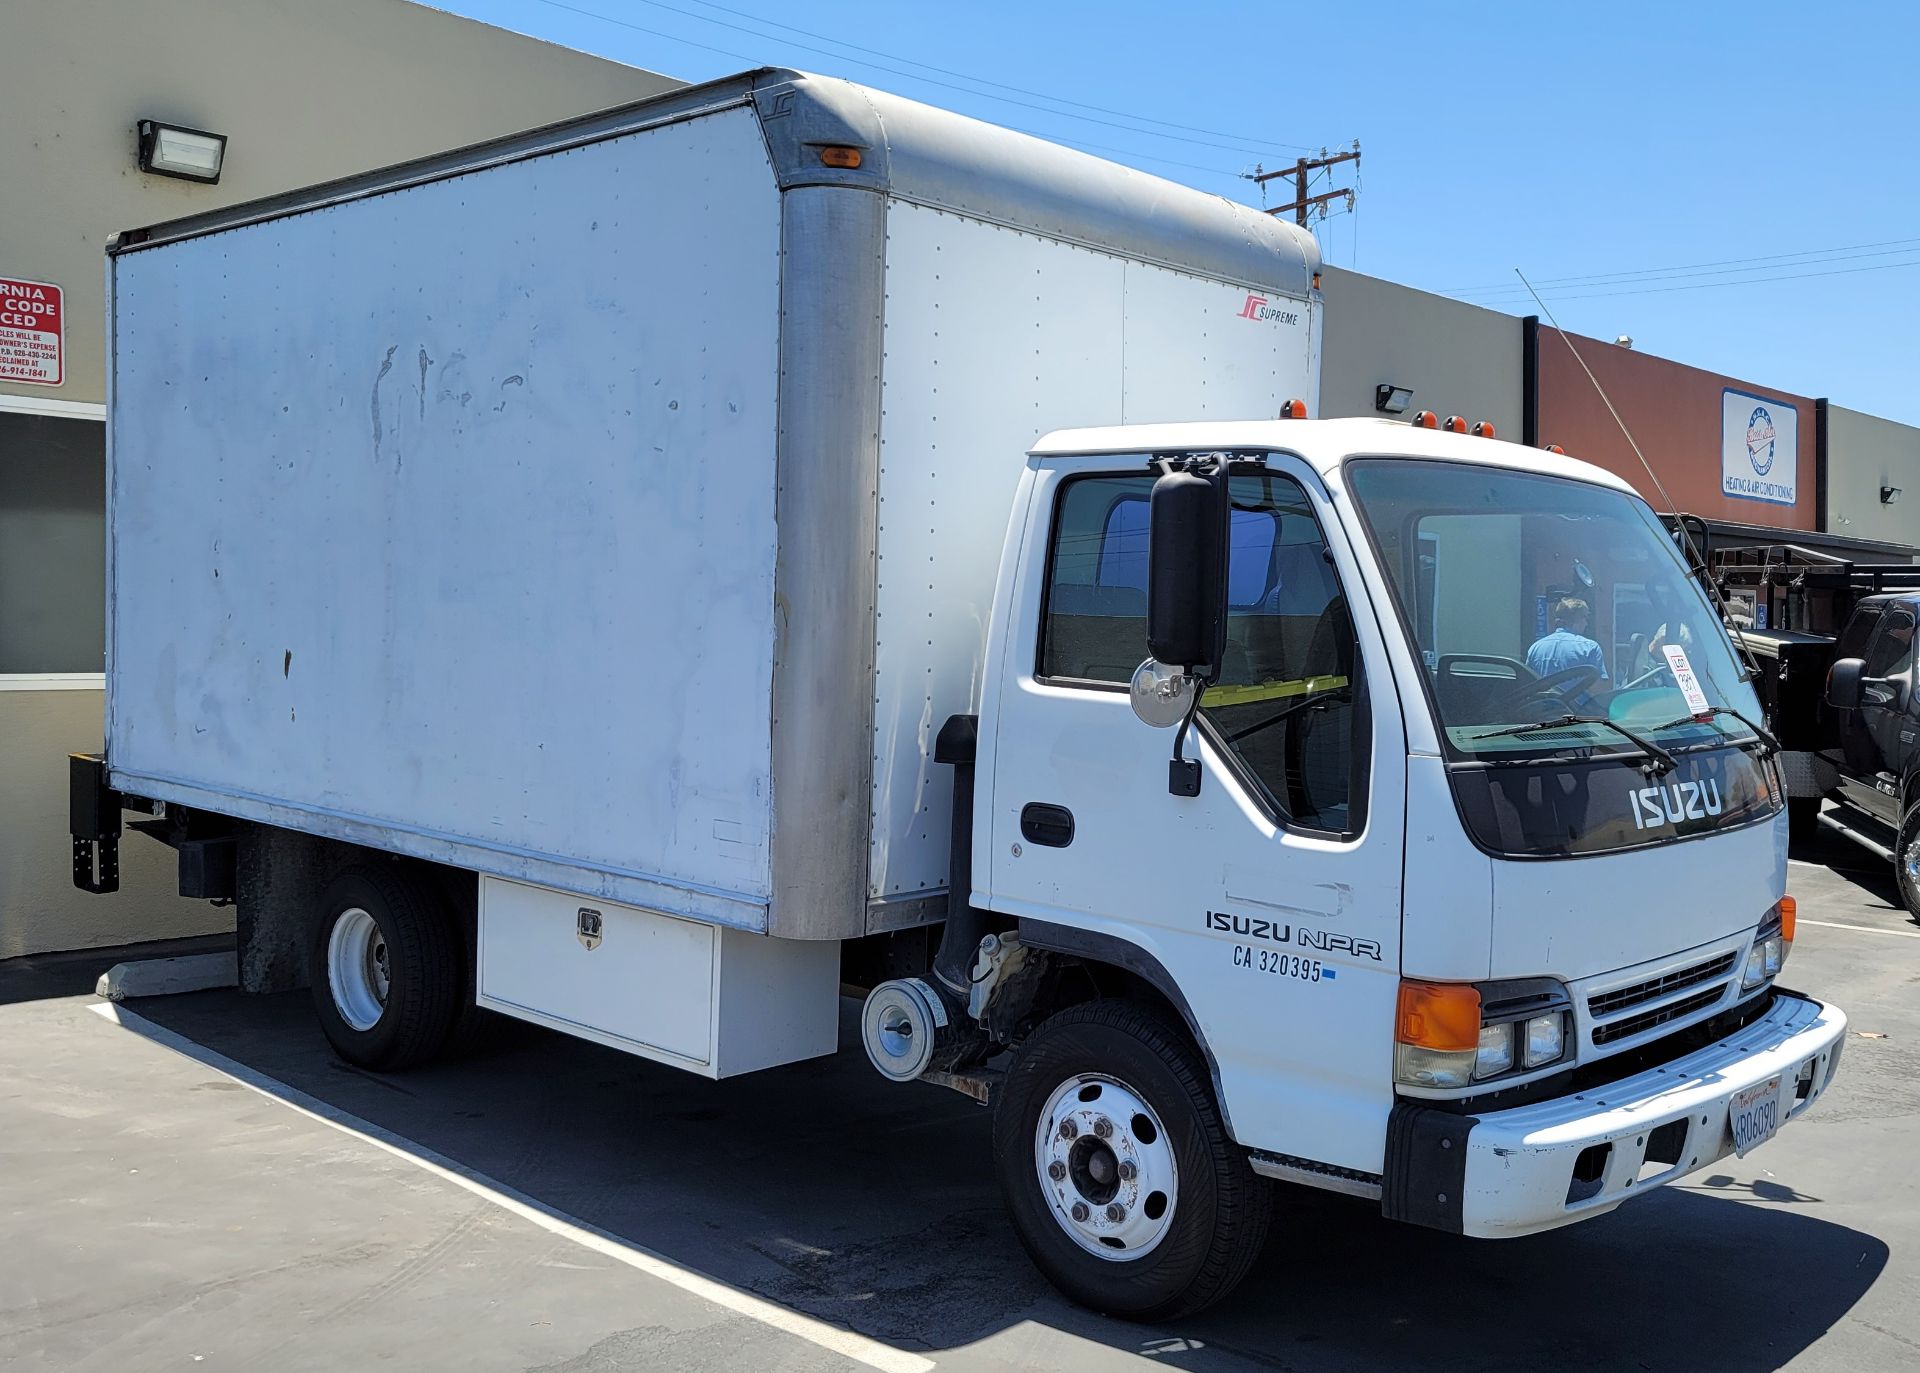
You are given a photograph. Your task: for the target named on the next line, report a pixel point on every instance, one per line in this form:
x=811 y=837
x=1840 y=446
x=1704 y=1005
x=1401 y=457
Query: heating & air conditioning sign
x=1759 y=448
x=32 y=333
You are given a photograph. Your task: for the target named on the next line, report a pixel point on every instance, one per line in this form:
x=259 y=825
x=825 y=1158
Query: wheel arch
x=1121 y=967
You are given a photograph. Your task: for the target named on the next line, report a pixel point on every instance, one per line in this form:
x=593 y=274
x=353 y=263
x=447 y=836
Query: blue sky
x=1735 y=187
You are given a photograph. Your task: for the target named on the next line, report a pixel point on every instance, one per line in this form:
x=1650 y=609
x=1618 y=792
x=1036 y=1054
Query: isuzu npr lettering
x=609 y=577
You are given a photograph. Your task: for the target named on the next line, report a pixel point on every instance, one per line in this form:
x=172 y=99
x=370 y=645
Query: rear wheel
x=1116 y=1166
x=385 y=966
x=1906 y=862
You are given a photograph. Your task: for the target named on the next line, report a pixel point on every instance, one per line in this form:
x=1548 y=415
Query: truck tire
x=386 y=967
x=1906 y=862
x=1117 y=1169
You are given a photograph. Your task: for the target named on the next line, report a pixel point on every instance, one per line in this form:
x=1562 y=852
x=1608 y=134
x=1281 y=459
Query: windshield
x=1535 y=598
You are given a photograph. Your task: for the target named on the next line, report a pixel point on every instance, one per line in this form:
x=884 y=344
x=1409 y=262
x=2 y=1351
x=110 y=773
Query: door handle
x=1047 y=825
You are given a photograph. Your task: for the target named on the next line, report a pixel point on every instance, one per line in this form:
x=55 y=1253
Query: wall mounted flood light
x=190 y=154
x=1389 y=399
x=1889 y=495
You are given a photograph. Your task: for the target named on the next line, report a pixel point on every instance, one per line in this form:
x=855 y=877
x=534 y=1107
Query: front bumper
x=1538 y=1167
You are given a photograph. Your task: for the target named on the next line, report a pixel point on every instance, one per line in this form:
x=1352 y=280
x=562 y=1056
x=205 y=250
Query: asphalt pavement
x=195 y=1183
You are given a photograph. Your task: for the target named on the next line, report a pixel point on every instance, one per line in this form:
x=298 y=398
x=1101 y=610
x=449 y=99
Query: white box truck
x=611 y=577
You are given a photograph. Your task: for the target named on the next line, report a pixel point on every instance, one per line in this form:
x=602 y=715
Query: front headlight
x=1771 y=944
x=1546 y=1039
x=1496 y=1051
x=1459 y=1034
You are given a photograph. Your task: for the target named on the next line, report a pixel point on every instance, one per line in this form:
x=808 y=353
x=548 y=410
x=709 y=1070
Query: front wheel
x=1116 y=1166
x=385 y=967
x=1906 y=862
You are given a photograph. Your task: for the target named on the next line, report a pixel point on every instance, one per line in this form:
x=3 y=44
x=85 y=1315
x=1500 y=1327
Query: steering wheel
x=1568 y=681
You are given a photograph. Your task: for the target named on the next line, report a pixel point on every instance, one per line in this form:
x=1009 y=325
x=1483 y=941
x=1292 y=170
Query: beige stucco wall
x=1459 y=359
x=304 y=91
x=40 y=908
x=1865 y=453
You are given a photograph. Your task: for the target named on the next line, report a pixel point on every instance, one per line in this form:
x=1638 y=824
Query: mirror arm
x=1183 y=774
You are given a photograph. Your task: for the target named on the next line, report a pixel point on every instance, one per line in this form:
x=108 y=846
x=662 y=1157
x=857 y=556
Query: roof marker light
x=1483 y=430
x=839 y=155
x=1454 y=424
x=1294 y=410
x=1425 y=419
x=1554 y=448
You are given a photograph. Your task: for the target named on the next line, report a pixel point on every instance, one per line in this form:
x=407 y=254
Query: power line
x=1749 y=281
x=1737 y=274
x=997 y=85
x=1602 y=277
x=893 y=71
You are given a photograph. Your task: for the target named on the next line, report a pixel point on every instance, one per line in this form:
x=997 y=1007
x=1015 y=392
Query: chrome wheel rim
x=1910 y=860
x=1106 y=1167
x=358 y=972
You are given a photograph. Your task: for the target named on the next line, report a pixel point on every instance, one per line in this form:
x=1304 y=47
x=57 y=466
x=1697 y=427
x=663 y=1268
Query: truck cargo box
x=616 y=507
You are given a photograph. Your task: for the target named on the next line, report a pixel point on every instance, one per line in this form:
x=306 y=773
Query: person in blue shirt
x=1568 y=645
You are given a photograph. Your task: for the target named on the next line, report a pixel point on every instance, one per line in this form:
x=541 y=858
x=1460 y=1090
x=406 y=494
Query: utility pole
x=1302 y=202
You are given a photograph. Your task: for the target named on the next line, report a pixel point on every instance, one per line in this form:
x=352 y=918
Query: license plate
x=1755 y=1115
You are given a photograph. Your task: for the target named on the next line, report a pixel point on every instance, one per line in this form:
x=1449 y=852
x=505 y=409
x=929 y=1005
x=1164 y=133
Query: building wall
x=1459 y=359
x=1864 y=454
x=305 y=92
x=1675 y=414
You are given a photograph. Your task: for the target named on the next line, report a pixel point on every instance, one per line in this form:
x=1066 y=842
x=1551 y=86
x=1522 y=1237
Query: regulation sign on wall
x=32 y=332
x=1759 y=447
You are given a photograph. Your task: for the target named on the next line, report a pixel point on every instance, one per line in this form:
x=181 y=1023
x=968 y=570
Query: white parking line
x=654 y=1265
x=1864 y=929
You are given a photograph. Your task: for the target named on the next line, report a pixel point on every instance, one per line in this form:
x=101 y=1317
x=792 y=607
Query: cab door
x=1854 y=754
x=1270 y=902
x=1885 y=718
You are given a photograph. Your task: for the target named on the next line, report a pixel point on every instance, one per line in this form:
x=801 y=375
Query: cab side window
x=1891 y=654
x=1284 y=708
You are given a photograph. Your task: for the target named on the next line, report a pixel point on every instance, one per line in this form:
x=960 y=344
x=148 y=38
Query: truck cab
x=1873 y=744
x=1465 y=905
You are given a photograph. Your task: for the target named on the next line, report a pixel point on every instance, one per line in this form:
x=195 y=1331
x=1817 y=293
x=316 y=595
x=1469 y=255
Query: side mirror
x=1187 y=571
x=1843 y=683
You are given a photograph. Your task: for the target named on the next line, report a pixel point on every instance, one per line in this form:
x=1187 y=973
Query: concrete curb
x=169 y=976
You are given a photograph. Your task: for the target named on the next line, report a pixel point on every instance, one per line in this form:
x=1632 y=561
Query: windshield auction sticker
x=1684 y=679
x=32 y=333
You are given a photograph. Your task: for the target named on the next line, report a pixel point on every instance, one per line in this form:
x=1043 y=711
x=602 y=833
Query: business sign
x=32 y=333
x=1759 y=448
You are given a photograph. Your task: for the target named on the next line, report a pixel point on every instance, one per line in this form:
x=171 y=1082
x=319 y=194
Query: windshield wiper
x=1773 y=744
x=1661 y=760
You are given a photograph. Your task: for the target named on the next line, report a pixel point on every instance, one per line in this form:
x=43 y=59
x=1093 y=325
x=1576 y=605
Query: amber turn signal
x=1439 y=1015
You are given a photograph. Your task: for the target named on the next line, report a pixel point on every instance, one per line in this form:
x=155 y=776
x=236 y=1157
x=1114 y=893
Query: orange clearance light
x=1483 y=430
x=1554 y=448
x=838 y=155
x=1426 y=419
x=1316 y=281
x=1455 y=424
x=1439 y=1015
x=1789 y=909
x=1294 y=410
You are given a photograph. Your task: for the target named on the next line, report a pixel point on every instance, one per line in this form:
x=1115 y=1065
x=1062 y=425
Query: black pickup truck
x=1834 y=643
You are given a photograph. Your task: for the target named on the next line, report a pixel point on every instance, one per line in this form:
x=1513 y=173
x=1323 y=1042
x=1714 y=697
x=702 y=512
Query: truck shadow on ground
x=1871 y=876
x=873 y=1206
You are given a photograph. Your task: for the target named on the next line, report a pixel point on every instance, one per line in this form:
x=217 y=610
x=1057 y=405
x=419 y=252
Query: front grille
x=1646 y=1020
x=1624 y=998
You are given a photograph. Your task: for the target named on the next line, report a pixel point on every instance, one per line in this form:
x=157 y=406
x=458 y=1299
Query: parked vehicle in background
x=1837 y=664
x=610 y=578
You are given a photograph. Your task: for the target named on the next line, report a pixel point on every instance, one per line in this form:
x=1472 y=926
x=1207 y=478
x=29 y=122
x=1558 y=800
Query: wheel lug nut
x=1080 y=1211
x=1068 y=1130
x=1127 y=1170
x=1116 y=1212
x=1103 y=1128
x=1056 y=1170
